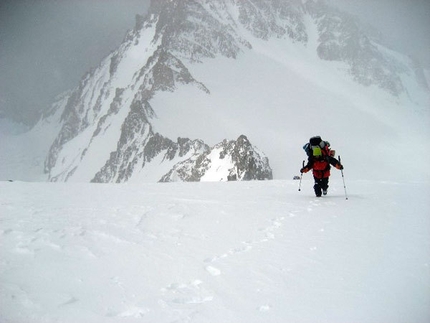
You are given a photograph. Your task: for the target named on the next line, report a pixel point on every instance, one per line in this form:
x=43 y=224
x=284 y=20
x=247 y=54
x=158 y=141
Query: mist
x=46 y=46
x=405 y=25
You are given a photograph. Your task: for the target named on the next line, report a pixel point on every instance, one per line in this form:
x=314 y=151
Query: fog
x=46 y=46
x=405 y=25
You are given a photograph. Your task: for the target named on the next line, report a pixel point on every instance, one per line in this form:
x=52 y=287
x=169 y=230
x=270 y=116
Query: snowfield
x=221 y=252
x=215 y=252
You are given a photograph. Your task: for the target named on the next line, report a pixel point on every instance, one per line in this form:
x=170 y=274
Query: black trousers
x=320 y=184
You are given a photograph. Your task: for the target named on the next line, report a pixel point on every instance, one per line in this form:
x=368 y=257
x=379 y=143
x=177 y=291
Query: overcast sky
x=404 y=23
x=46 y=46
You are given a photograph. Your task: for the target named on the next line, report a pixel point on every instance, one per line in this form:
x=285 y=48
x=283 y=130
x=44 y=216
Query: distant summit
x=235 y=160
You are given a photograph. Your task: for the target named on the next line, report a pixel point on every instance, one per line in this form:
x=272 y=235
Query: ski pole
x=343 y=179
x=301 y=175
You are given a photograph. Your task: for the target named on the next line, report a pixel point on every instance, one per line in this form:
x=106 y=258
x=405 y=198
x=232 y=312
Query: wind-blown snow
x=215 y=252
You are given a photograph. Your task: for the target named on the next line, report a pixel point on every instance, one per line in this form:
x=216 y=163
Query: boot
x=317 y=190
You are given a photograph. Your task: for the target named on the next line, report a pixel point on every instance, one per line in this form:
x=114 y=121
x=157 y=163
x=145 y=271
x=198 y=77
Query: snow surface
x=219 y=169
x=229 y=252
x=215 y=252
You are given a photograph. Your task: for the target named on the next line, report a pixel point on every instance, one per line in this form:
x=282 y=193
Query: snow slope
x=215 y=252
x=291 y=95
x=22 y=154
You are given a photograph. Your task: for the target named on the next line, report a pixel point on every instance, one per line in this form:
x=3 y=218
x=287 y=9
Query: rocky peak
x=234 y=160
x=265 y=19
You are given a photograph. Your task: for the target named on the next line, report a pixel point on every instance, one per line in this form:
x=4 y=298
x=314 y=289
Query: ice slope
x=215 y=252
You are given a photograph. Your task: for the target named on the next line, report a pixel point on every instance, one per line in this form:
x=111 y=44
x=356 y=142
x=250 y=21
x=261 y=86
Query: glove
x=339 y=166
x=304 y=170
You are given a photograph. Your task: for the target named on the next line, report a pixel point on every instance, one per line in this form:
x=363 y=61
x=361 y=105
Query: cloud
x=46 y=46
x=404 y=24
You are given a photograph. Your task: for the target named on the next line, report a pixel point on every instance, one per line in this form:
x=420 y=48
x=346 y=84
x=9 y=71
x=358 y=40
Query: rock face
x=235 y=160
x=342 y=39
x=106 y=131
x=154 y=146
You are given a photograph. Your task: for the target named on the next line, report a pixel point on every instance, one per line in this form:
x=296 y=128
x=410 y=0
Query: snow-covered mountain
x=278 y=71
x=227 y=161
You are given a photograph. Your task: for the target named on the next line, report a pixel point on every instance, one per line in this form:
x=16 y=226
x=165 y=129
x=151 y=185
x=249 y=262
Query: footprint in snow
x=134 y=311
x=213 y=271
x=245 y=248
x=264 y=308
x=131 y=311
x=188 y=293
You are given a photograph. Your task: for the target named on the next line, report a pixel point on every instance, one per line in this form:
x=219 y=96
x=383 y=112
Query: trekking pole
x=301 y=175
x=343 y=178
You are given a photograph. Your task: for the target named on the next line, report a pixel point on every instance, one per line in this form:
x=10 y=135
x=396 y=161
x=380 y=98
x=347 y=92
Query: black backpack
x=316 y=147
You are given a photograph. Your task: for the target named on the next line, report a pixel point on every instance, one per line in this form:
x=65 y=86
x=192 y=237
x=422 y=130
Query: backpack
x=316 y=147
